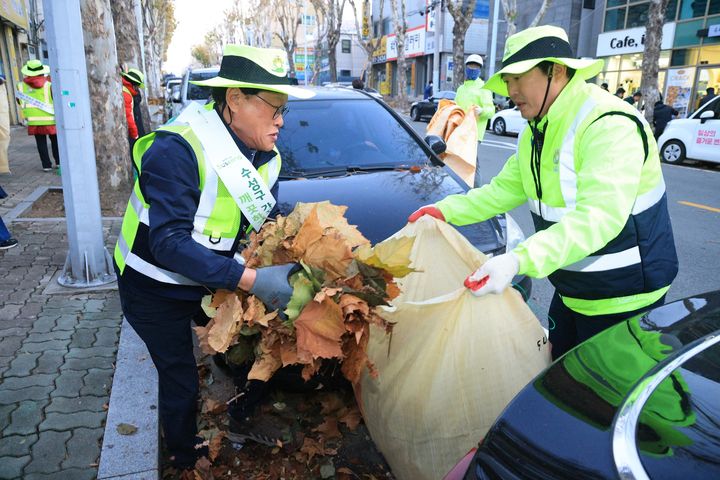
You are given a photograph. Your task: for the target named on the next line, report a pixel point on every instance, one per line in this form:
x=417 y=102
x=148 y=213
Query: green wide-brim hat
x=251 y=67
x=524 y=50
x=135 y=76
x=33 y=68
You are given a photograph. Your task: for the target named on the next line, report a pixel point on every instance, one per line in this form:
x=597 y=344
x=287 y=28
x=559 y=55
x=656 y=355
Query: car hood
x=380 y=202
x=562 y=424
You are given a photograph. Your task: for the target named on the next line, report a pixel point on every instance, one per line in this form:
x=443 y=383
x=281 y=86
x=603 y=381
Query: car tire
x=415 y=114
x=499 y=127
x=673 y=152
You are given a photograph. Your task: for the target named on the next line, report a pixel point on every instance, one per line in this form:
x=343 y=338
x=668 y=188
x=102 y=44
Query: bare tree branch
x=462 y=14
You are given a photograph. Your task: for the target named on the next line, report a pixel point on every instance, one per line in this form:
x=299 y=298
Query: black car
x=639 y=400
x=427 y=108
x=347 y=147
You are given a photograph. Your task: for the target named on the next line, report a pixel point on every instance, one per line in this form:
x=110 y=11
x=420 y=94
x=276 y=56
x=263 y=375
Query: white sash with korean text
x=238 y=174
x=35 y=102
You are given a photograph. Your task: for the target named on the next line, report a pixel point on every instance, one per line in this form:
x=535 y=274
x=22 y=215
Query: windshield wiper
x=343 y=170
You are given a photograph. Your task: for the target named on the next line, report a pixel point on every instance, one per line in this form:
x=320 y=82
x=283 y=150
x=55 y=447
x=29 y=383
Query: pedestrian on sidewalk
x=182 y=228
x=472 y=94
x=428 y=92
x=132 y=82
x=4 y=127
x=589 y=169
x=6 y=240
x=634 y=99
x=34 y=96
x=662 y=114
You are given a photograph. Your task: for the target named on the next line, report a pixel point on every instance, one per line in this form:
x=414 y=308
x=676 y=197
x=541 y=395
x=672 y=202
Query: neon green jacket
x=603 y=231
x=472 y=93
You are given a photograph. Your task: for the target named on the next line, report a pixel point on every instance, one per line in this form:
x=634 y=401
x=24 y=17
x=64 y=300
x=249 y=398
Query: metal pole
x=305 y=69
x=437 y=56
x=493 y=39
x=141 y=40
x=88 y=263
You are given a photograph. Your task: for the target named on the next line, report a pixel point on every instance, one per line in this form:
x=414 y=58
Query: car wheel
x=673 y=151
x=499 y=127
x=415 y=114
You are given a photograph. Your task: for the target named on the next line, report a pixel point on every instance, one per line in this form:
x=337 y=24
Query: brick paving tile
x=48 y=452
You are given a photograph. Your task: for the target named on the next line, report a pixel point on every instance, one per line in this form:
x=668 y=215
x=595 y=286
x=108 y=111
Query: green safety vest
x=471 y=92
x=34 y=115
x=217 y=219
x=604 y=236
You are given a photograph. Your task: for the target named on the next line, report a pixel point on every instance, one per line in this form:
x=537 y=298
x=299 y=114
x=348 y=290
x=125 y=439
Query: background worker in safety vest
x=132 y=82
x=187 y=214
x=588 y=166
x=472 y=93
x=35 y=99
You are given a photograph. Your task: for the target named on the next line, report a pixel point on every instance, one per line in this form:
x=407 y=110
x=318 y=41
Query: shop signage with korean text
x=631 y=40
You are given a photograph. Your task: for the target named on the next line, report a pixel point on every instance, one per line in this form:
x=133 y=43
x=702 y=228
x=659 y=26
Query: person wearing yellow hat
x=34 y=95
x=132 y=82
x=205 y=181
x=472 y=94
x=588 y=166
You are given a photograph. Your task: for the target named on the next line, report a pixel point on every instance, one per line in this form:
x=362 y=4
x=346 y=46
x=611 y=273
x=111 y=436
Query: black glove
x=272 y=286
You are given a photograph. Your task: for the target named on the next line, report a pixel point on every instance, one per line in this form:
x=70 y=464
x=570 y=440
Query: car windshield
x=333 y=136
x=196 y=92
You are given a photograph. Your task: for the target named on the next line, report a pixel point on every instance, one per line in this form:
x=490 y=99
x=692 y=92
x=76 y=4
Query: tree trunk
x=651 y=57
x=510 y=10
x=110 y=132
x=461 y=13
x=400 y=31
x=540 y=14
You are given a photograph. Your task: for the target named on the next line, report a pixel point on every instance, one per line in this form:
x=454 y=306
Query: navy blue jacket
x=169 y=182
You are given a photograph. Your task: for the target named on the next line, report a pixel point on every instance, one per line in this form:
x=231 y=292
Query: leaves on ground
x=126 y=429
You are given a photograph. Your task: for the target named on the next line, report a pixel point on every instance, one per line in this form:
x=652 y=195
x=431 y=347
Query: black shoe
x=9 y=243
x=265 y=429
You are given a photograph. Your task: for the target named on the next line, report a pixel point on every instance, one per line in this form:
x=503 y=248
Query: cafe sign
x=631 y=40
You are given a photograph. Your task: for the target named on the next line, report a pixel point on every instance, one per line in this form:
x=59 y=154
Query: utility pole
x=88 y=263
x=437 y=56
x=493 y=39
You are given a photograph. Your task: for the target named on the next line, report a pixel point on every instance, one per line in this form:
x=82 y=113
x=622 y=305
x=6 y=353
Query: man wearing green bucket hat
x=34 y=95
x=588 y=166
x=204 y=182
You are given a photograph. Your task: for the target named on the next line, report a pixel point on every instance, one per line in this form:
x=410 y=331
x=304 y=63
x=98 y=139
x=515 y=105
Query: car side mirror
x=176 y=97
x=436 y=144
x=706 y=115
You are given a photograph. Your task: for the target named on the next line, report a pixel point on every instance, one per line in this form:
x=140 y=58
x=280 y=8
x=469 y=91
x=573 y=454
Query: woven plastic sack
x=453 y=361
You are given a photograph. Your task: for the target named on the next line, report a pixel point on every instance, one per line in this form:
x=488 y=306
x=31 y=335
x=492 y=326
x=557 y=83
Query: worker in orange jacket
x=132 y=79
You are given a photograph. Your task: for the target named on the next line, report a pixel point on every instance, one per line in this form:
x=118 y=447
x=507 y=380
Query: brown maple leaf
x=319 y=329
x=329 y=428
x=227 y=324
x=351 y=417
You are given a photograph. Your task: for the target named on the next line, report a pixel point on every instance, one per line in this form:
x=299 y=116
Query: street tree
x=366 y=39
x=334 y=20
x=204 y=55
x=462 y=15
x=651 y=57
x=158 y=29
x=511 y=13
x=322 y=25
x=106 y=104
x=288 y=16
x=400 y=27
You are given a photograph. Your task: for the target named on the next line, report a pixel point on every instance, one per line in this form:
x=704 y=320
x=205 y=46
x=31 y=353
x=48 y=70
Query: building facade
x=690 y=51
x=14 y=50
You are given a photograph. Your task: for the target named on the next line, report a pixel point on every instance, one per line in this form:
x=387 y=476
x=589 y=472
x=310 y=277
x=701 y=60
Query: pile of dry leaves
x=335 y=296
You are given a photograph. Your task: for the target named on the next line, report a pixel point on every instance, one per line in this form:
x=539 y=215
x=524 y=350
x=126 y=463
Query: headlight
x=513 y=233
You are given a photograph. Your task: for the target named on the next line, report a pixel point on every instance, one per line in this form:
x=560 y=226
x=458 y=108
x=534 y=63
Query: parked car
x=192 y=93
x=639 y=400
x=696 y=137
x=507 y=121
x=172 y=90
x=427 y=108
x=351 y=149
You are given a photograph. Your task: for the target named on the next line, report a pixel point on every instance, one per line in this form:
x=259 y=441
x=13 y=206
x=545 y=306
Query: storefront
x=385 y=63
x=690 y=50
x=13 y=48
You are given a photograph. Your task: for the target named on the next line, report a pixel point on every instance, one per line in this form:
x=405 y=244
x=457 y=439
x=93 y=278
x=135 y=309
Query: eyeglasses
x=281 y=110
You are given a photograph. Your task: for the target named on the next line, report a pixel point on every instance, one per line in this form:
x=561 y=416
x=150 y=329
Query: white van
x=190 y=92
x=696 y=137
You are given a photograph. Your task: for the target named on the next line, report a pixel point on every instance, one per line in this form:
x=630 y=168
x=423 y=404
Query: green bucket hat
x=34 y=68
x=526 y=49
x=250 y=67
x=135 y=76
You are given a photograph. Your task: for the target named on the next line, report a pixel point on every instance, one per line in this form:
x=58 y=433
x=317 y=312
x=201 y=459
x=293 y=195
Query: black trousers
x=572 y=328
x=164 y=325
x=41 y=143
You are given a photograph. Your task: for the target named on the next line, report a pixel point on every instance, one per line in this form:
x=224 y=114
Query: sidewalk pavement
x=57 y=345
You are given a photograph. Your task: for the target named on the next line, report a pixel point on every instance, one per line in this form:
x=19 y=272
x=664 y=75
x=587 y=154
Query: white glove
x=500 y=270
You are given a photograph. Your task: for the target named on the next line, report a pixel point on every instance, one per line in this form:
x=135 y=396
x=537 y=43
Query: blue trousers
x=4 y=232
x=572 y=328
x=164 y=325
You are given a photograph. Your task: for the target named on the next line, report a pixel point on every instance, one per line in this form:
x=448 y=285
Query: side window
x=713 y=106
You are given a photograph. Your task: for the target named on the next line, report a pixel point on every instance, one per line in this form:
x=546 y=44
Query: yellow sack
x=459 y=130
x=453 y=361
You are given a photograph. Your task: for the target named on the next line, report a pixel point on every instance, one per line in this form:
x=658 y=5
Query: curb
x=133 y=400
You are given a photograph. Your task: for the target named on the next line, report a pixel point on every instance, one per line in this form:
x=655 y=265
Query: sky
x=194 y=19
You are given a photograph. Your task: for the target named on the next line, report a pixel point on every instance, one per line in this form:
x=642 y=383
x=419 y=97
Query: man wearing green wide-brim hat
x=588 y=166
x=34 y=96
x=205 y=181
